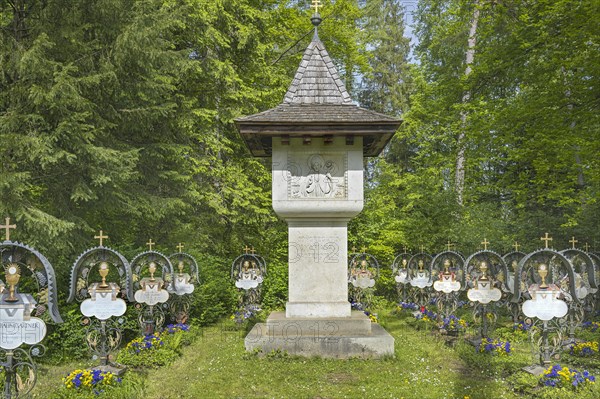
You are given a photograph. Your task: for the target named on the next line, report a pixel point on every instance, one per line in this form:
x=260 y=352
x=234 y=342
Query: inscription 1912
x=315 y=252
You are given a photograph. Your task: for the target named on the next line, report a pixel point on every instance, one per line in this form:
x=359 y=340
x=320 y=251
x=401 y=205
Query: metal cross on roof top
x=150 y=244
x=516 y=246
x=7 y=228
x=179 y=247
x=100 y=237
x=573 y=241
x=315 y=5
x=485 y=243
x=546 y=239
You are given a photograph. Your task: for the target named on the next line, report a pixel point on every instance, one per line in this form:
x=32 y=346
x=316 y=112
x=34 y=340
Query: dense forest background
x=118 y=115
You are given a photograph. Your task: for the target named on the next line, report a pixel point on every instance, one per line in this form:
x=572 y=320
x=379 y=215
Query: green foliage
x=163 y=349
x=131 y=386
x=275 y=286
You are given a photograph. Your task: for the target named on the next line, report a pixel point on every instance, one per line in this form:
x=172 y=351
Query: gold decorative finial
x=543 y=272
x=179 y=247
x=573 y=241
x=7 y=228
x=150 y=244
x=404 y=248
x=485 y=243
x=152 y=270
x=546 y=239
x=246 y=249
x=180 y=266
x=103 y=270
x=315 y=5
x=483 y=269
x=13 y=274
x=100 y=237
x=516 y=246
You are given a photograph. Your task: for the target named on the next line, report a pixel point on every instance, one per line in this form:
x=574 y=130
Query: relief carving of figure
x=319 y=182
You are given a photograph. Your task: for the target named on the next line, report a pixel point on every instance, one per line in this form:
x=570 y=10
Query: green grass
x=425 y=366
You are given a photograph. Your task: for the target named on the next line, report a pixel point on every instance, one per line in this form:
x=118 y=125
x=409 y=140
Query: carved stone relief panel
x=317 y=176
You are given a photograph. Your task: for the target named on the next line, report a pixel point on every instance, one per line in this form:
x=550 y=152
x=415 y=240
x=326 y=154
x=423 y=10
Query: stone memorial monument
x=20 y=312
x=184 y=280
x=151 y=290
x=93 y=283
x=317 y=139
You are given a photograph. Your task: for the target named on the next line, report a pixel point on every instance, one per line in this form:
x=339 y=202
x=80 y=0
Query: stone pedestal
x=332 y=337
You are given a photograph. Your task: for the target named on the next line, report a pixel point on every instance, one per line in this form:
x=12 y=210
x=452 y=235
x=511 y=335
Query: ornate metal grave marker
x=248 y=271
x=550 y=279
x=102 y=299
x=401 y=274
x=485 y=275
x=420 y=276
x=23 y=268
x=151 y=290
x=184 y=278
x=363 y=271
x=448 y=267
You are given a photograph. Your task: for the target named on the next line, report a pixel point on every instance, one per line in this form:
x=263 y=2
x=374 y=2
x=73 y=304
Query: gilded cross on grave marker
x=485 y=243
x=252 y=251
x=546 y=239
x=573 y=241
x=449 y=245
x=363 y=249
x=179 y=247
x=246 y=249
x=422 y=248
x=516 y=246
x=587 y=247
x=7 y=228
x=100 y=237
x=150 y=244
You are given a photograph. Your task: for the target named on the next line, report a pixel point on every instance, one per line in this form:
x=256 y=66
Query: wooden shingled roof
x=317 y=104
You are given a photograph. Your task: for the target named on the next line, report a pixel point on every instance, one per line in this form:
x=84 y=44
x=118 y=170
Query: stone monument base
x=335 y=337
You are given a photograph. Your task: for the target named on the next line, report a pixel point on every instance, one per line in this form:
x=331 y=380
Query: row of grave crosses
x=103 y=280
x=556 y=289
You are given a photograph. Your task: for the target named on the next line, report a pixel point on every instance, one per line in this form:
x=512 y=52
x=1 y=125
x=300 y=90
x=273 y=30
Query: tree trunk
x=460 y=156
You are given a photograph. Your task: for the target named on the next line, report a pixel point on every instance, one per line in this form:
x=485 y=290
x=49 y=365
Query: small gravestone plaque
x=17 y=327
x=447 y=283
x=151 y=292
x=103 y=303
